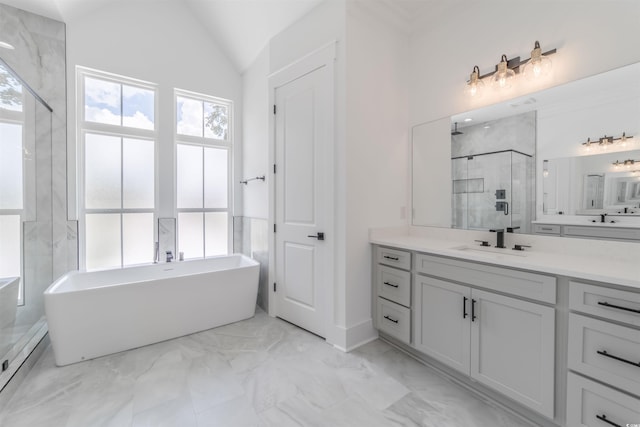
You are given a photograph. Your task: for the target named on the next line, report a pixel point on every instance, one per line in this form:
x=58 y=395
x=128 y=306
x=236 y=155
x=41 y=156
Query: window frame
x=85 y=127
x=205 y=142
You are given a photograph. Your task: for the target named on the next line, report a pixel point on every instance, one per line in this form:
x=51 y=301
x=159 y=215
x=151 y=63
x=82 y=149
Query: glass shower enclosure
x=493 y=191
x=26 y=240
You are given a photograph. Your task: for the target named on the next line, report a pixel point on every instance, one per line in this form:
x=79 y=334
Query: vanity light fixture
x=623 y=139
x=545 y=168
x=538 y=65
x=606 y=141
x=628 y=164
x=474 y=86
x=503 y=77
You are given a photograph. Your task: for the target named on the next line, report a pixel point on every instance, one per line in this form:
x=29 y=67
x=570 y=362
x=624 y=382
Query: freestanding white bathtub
x=92 y=314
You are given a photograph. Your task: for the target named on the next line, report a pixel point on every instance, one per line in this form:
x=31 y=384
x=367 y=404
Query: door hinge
x=274 y=168
x=274 y=108
x=274 y=286
x=274 y=228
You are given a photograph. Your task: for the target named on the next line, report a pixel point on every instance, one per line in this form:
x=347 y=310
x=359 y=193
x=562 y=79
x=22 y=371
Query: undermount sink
x=489 y=251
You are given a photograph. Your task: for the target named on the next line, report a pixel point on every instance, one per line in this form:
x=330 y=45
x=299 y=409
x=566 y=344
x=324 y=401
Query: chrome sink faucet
x=169 y=256
x=499 y=237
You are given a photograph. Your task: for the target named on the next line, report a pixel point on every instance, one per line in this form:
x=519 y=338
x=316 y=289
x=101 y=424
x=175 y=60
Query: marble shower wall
x=251 y=239
x=39 y=58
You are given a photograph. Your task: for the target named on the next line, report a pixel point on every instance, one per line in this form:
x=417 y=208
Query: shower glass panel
x=493 y=191
x=26 y=249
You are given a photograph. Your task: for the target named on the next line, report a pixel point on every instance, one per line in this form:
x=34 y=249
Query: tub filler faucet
x=169 y=256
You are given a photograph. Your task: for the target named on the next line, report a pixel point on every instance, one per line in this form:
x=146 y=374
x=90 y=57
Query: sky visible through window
x=118 y=104
x=10 y=91
x=196 y=116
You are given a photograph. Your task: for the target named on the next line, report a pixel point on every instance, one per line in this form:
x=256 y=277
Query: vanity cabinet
x=393 y=293
x=604 y=345
x=595 y=231
x=500 y=341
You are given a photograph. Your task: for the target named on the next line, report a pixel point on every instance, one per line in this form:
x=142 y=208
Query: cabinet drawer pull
x=464 y=307
x=603 y=417
x=473 y=310
x=392 y=258
x=604 y=353
x=606 y=304
x=390 y=284
x=546 y=228
x=391 y=319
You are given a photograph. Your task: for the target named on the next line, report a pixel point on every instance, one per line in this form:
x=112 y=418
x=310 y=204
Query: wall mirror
x=540 y=137
x=591 y=185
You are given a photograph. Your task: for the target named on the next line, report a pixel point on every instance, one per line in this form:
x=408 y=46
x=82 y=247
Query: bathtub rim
x=247 y=262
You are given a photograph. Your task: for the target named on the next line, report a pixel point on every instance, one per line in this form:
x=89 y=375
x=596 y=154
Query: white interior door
x=302 y=200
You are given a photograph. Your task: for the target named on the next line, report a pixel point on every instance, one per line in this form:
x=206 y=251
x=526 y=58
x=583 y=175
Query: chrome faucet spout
x=169 y=256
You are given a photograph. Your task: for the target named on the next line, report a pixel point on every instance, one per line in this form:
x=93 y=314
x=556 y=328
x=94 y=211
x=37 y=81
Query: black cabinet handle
x=391 y=319
x=606 y=304
x=620 y=359
x=392 y=258
x=473 y=310
x=464 y=307
x=390 y=284
x=603 y=417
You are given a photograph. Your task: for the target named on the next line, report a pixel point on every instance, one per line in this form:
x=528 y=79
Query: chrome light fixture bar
x=502 y=77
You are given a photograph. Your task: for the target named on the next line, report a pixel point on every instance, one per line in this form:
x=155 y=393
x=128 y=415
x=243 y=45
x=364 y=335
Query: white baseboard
x=348 y=339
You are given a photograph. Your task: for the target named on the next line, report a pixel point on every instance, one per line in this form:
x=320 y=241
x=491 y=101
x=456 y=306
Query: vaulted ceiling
x=241 y=27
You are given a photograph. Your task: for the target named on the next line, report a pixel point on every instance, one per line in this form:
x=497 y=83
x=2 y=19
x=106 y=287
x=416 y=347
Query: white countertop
x=623 y=271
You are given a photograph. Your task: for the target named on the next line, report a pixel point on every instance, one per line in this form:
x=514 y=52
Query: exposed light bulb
x=503 y=77
x=538 y=66
x=623 y=140
x=474 y=86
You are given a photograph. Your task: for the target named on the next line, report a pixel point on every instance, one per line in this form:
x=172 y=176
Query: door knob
x=319 y=236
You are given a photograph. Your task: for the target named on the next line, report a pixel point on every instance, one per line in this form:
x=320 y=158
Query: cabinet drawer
x=520 y=283
x=394 y=320
x=623 y=306
x=394 y=257
x=602 y=232
x=546 y=229
x=588 y=403
x=607 y=352
x=394 y=285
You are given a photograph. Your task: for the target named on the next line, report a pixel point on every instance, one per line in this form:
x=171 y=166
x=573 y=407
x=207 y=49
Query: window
x=12 y=146
x=203 y=146
x=118 y=147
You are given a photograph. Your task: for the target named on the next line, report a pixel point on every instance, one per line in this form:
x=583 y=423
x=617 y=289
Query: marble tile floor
x=258 y=372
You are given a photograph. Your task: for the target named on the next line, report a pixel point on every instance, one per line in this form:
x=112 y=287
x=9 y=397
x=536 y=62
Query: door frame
x=325 y=56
